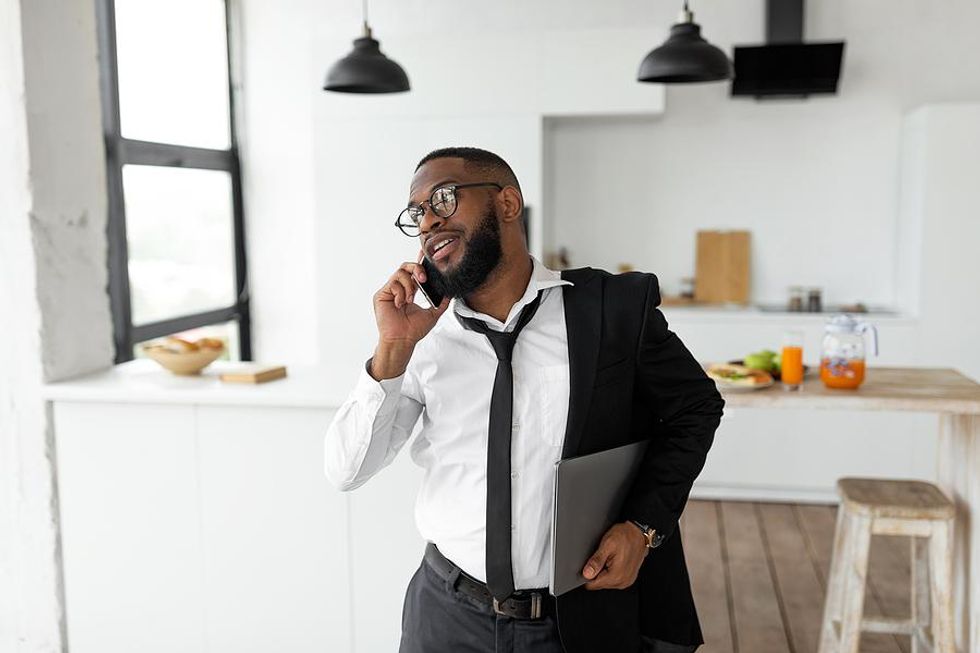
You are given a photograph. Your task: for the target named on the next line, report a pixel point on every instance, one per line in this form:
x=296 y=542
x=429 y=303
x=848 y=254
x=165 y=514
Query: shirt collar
x=541 y=278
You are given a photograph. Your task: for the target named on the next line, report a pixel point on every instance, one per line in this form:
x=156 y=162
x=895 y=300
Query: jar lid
x=842 y=323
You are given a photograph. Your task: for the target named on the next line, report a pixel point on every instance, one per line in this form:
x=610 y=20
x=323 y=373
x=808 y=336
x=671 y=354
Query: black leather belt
x=522 y=604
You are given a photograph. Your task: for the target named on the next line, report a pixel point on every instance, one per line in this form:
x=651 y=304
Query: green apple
x=758 y=362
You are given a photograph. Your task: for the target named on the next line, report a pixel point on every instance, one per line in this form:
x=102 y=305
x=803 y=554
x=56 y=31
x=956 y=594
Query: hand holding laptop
x=589 y=494
x=616 y=564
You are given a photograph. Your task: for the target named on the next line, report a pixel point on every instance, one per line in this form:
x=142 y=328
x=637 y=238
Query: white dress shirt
x=449 y=381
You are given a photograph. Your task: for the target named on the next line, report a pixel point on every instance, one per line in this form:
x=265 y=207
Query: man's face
x=466 y=263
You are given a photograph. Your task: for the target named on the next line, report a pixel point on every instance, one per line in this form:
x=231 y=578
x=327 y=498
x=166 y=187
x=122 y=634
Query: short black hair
x=483 y=161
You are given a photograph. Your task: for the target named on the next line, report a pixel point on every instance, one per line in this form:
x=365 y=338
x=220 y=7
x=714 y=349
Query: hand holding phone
x=399 y=318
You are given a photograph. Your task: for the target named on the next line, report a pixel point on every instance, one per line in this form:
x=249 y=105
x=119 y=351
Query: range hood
x=786 y=66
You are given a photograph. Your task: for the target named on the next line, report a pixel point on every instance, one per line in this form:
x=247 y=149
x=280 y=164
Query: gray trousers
x=437 y=618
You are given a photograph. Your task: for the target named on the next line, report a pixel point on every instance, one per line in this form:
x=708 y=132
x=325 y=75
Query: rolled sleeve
x=368 y=429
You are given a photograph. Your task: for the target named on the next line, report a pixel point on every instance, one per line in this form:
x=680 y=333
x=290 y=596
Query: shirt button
x=514 y=474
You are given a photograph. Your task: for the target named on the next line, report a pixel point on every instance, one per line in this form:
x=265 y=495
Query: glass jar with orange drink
x=842 y=352
x=791 y=360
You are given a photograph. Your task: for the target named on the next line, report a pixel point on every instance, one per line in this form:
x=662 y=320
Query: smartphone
x=432 y=292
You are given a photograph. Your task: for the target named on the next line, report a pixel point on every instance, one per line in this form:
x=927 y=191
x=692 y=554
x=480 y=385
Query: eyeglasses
x=442 y=203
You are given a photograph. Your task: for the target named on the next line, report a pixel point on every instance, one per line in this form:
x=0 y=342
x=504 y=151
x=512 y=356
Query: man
x=532 y=367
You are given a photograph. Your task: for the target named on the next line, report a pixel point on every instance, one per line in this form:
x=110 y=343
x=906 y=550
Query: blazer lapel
x=583 y=322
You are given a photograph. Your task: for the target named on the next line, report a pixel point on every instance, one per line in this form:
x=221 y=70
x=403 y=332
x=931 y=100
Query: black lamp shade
x=366 y=70
x=685 y=57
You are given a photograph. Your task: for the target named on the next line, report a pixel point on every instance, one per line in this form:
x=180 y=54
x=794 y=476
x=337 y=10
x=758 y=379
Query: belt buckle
x=536 y=603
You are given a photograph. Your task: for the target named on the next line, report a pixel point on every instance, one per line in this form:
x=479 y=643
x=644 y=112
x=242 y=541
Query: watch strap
x=653 y=538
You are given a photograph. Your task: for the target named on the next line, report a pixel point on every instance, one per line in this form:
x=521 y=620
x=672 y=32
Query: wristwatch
x=653 y=538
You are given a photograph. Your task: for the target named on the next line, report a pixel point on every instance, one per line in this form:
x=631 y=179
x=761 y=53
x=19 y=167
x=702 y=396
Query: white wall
x=54 y=308
x=15 y=264
x=812 y=179
x=301 y=161
x=942 y=214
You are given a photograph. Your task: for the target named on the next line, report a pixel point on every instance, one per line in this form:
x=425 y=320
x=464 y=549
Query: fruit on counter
x=183 y=346
x=765 y=360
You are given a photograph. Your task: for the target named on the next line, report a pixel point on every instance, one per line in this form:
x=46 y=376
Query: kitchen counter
x=768 y=314
x=144 y=381
x=886 y=388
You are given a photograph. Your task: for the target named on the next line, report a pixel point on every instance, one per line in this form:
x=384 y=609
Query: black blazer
x=632 y=378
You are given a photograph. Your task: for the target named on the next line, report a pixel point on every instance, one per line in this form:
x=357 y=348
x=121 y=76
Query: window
x=176 y=226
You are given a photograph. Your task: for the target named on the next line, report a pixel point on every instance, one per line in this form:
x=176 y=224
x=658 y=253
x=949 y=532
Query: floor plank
x=759 y=574
x=703 y=550
x=758 y=618
x=797 y=584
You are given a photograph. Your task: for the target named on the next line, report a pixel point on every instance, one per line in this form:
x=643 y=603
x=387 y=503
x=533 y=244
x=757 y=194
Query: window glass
x=173 y=72
x=180 y=234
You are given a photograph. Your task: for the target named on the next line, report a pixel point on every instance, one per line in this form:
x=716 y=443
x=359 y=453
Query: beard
x=483 y=254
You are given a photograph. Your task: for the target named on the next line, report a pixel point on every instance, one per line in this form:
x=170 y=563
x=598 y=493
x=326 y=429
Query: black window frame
x=121 y=151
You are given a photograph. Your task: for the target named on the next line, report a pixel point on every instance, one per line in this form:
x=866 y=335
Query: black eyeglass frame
x=421 y=205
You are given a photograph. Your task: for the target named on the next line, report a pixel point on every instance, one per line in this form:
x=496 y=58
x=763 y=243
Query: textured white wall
x=54 y=310
x=16 y=292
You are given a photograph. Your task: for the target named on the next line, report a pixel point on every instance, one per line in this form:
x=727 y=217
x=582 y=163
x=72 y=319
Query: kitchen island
x=955 y=399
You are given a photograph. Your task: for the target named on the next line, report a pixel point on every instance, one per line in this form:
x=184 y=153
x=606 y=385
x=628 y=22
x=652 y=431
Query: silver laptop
x=589 y=493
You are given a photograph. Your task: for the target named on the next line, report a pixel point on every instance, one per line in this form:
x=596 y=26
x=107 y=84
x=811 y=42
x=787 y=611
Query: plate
x=729 y=387
x=775 y=375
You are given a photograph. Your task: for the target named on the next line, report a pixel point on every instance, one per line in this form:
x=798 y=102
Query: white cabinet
x=209 y=527
x=273 y=532
x=129 y=498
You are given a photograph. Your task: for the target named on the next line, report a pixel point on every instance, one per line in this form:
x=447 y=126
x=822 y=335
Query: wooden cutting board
x=722 y=267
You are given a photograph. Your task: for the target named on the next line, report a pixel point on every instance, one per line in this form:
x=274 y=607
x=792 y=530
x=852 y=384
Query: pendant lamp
x=366 y=69
x=685 y=57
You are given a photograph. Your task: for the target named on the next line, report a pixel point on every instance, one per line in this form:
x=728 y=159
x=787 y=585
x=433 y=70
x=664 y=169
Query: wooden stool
x=891 y=507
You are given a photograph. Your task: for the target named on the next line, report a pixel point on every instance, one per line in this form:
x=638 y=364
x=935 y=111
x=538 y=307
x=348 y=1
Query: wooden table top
x=920 y=389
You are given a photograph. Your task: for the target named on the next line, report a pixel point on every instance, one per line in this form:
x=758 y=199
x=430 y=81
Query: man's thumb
x=595 y=564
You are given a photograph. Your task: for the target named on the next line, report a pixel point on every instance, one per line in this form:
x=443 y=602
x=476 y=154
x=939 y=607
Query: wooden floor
x=759 y=572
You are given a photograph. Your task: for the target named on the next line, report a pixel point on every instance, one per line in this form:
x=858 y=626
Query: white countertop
x=144 y=381
x=738 y=314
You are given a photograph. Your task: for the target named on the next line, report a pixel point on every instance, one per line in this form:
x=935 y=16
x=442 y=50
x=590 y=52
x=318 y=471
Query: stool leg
x=855 y=578
x=835 y=589
x=920 y=591
x=941 y=579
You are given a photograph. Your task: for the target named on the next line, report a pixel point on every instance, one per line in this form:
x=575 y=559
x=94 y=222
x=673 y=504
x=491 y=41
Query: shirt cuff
x=370 y=386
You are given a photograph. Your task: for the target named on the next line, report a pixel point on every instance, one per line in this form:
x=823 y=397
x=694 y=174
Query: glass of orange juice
x=791 y=360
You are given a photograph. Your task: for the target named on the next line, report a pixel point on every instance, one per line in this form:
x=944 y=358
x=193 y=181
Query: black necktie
x=500 y=574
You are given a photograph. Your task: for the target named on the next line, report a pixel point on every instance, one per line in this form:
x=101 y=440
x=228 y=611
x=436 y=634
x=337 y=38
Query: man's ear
x=512 y=204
